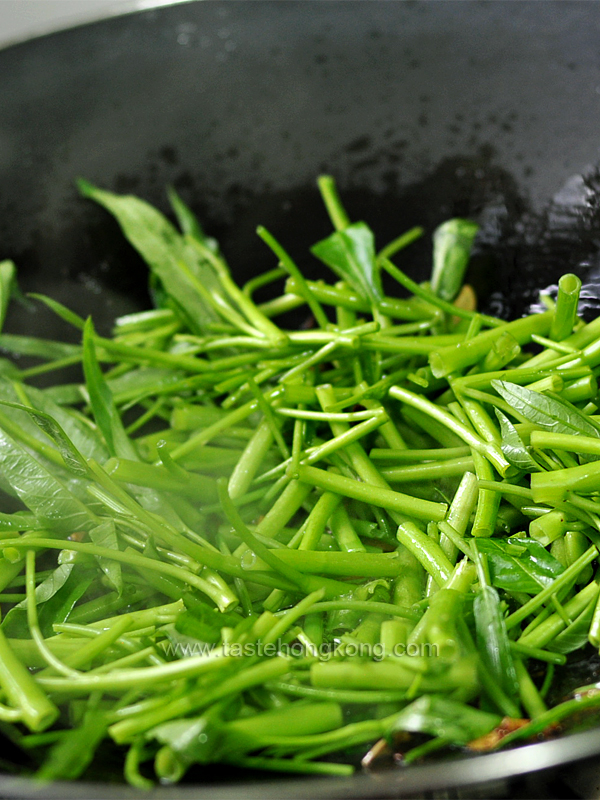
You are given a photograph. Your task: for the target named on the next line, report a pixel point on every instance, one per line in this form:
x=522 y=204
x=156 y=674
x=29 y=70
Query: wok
x=421 y=110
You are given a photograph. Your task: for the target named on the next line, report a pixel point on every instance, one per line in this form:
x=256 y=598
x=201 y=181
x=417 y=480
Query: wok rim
x=465 y=771
x=85 y=18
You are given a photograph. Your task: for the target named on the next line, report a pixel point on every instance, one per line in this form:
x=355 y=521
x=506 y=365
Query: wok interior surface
x=421 y=111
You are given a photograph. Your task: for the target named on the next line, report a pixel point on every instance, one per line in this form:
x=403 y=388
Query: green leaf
x=39 y=348
x=56 y=587
x=452 y=242
x=576 y=634
x=41 y=490
x=74 y=751
x=492 y=639
x=60 y=310
x=513 y=447
x=103 y=407
x=440 y=716
x=82 y=433
x=65 y=395
x=33 y=411
x=58 y=608
x=548 y=411
x=351 y=255
x=73 y=459
x=56 y=596
x=188 y=222
x=8 y=368
x=18 y=521
x=50 y=585
x=194 y=740
x=16 y=418
x=171 y=259
x=519 y=565
x=105 y=535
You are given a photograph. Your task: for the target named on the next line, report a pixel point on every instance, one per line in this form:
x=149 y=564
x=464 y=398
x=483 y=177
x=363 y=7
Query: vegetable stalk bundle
x=235 y=541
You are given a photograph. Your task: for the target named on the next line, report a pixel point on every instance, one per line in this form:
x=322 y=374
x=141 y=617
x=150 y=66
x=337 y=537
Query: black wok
x=421 y=110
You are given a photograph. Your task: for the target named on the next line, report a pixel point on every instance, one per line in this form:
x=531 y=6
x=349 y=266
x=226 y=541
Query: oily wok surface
x=421 y=111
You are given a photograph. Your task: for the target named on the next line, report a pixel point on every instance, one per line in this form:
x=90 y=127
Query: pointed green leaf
x=57 y=609
x=72 y=753
x=351 y=255
x=15 y=622
x=165 y=251
x=441 y=716
x=103 y=407
x=82 y=433
x=492 y=639
x=47 y=349
x=60 y=310
x=188 y=222
x=519 y=565
x=50 y=585
x=73 y=459
x=41 y=490
x=513 y=447
x=576 y=634
x=546 y=410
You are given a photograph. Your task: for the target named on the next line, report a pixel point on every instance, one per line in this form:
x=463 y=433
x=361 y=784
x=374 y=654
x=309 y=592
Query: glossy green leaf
x=513 y=447
x=50 y=585
x=60 y=310
x=441 y=716
x=519 y=565
x=57 y=609
x=492 y=639
x=73 y=459
x=19 y=521
x=40 y=417
x=576 y=634
x=81 y=432
x=45 y=494
x=165 y=251
x=138 y=383
x=546 y=410
x=195 y=740
x=15 y=622
x=103 y=406
x=14 y=409
x=55 y=597
x=351 y=255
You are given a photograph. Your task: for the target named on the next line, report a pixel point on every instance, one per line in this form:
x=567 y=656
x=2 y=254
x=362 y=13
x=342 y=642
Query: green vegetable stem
x=236 y=540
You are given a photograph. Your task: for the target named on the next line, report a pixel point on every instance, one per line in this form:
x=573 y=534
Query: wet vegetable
x=236 y=542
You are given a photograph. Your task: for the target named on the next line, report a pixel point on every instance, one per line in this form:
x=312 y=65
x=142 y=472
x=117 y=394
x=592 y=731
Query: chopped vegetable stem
x=248 y=545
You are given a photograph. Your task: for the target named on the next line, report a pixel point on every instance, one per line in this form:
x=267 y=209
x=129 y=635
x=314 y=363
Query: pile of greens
x=241 y=544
